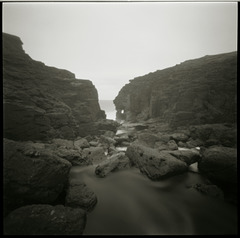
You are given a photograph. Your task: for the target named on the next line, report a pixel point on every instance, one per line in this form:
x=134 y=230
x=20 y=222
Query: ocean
x=109 y=108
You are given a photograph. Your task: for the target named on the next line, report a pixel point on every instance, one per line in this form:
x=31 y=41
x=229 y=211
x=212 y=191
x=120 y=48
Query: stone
x=81 y=144
x=73 y=156
x=93 y=143
x=116 y=162
x=94 y=154
x=43 y=219
x=210 y=190
x=172 y=145
x=156 y=165
x=148 y=139
x=106 y=141
x=32 y=175
x=110 y=134
x=219 y=164
x=67 y=144
x=179 y=137
x=188 y=156
x=80 y=196
x=194 y=143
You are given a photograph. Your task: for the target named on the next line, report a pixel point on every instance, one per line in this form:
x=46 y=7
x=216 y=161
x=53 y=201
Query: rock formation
x=198 y=91
x=42 y=102
x=45 y=220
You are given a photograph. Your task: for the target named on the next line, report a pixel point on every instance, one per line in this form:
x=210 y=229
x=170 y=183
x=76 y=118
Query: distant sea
x=109 y=108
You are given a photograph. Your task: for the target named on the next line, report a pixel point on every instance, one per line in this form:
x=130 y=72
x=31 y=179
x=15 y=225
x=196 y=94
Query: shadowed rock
x=79 y=195
x=32 y=174
x=45 y=220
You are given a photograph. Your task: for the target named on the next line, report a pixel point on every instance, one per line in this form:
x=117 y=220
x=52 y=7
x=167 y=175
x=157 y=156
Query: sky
x=112 y=43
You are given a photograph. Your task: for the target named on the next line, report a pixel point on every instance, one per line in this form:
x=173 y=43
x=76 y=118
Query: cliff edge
x=199 y=91
x=42 y=102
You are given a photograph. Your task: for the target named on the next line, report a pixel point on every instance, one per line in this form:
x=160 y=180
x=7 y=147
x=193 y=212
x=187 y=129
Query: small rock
x=81 y=144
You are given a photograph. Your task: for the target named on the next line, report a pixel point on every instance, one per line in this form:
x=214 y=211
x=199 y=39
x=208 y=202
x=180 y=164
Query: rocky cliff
x=198 y=91
x=42 y=102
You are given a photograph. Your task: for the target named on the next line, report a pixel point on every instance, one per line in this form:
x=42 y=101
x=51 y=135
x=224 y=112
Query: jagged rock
x=110 y=134
x=215 y=134
x=121 y=139
x=182 y=144
x=42 y=102
x=219 y=164
x=187 y=156
x=179 y=137
x=67 y=144
x=93 y=143
x=45 y=220
x=170 y=145
x=106 y=142
x=148 y=139
x=156 y=165
x=73 y=156
x=210 y=190
x=198 y=91
x=80 y=196
x=94 y=154
x=194 y=143
x=81 y=144
x=114 y=163
x=31 y=174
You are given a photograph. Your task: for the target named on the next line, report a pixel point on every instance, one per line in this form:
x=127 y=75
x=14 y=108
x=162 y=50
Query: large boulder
x=32 y=174
x=94 y=154
x=215 y=134
x=156 y=165
x=219 y=164
x=45 y=220
x=114 y=163
x=188 y=156
x=148 y=139
x=79 y=195
x=81 y=144
x=73 y=156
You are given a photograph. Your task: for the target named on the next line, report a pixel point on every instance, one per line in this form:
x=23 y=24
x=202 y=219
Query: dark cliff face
x=197 y=91
x=42 y=102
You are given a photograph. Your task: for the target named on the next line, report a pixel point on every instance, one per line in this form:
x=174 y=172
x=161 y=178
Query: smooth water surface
x=130 y=203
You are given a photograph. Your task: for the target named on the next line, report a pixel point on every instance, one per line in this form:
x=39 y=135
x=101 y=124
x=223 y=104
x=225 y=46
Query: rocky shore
x=53 y=124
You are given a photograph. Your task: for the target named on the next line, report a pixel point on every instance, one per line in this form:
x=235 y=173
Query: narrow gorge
x=166 y=166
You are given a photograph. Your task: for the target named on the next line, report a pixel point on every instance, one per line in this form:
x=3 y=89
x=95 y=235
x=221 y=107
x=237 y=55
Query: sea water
x=109 y=108
x=129 y=203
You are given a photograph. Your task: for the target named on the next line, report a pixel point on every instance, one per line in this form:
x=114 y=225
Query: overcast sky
x=111 y=43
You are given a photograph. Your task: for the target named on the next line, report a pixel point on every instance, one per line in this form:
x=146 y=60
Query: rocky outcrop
x=114 y=163
x=199 y=91
x=219 y=164
x=45 y=220
x=32 y=174
x=156 y=165
x=42 y=102
x=80 y=196
x=188 y=156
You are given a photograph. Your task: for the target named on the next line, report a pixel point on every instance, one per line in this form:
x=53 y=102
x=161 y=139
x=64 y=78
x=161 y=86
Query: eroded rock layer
x=42 y=102
x=198 y=91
